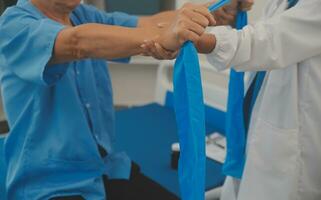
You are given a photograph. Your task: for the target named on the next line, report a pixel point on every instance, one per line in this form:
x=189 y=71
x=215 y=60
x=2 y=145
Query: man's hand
x=190 y=24
x=205 y=43
x=155 y=50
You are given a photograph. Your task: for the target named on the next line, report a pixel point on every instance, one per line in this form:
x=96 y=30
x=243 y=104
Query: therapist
x=284 y=137
x=58 y=97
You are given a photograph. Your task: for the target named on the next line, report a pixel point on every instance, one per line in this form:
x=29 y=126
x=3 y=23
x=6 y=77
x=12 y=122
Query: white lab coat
x=284 y=142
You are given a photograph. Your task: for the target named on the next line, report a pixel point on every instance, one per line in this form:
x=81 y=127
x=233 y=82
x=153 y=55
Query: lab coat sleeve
x=27 y=46
x=278 y=42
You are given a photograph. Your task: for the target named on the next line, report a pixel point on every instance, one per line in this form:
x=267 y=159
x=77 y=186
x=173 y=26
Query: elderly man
x=58 y=98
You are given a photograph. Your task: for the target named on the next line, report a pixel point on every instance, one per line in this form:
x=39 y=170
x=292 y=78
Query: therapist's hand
x=227 y=14
x=246 y=5
x=189 y=25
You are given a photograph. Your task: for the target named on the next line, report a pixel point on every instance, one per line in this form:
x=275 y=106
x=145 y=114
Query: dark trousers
x=139 y=187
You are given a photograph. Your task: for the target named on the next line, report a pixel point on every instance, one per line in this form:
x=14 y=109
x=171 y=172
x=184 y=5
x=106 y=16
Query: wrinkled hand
x=185 y=27
x=190 y=23
x=155 y=50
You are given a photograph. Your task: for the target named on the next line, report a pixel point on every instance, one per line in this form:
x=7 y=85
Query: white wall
x=133 y=84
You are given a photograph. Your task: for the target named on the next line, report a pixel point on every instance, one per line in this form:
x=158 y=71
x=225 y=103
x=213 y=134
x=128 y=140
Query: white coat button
x=87 y=105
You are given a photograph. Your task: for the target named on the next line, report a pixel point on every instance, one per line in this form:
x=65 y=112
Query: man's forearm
x=100 y=41
x=161 y=18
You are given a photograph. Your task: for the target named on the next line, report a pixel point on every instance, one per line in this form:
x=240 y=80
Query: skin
x=207 y=42
x=111 y=42
x=226 y=16
x=161 y=48
x=246 y=5
x=190 y=24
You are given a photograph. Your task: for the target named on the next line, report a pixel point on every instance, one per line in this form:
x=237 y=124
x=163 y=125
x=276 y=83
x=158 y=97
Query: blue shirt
x=57 y=114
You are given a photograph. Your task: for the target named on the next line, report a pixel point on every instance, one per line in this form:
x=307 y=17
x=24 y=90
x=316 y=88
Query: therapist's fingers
x=225 y=16
x=246 y=5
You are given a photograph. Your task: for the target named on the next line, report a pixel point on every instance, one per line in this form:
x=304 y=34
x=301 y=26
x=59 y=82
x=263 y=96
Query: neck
x=52 y=11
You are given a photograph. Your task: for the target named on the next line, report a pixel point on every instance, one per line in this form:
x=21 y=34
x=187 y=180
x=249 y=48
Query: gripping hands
x=190 y=24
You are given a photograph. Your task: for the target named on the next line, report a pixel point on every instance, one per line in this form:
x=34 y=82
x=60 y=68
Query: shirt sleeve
x=94 y=15
x=278 y=42
x=27 y=45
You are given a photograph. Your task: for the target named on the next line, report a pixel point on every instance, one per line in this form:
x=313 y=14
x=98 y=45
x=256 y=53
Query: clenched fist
x=190 y=24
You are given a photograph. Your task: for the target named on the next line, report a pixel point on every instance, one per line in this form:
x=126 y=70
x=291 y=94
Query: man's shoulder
x=17 y=15
x=17 y=18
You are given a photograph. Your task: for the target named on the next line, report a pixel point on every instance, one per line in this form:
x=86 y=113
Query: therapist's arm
x=276 y=43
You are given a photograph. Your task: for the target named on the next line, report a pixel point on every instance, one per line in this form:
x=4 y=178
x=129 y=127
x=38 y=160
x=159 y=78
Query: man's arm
x=99 y=41
x=160 y=19
x=207 y=42
x=112 y=42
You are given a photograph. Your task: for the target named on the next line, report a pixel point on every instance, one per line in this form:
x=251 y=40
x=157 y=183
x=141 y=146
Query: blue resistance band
x=190 y=117
x=292 y=3
x=235 y=127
